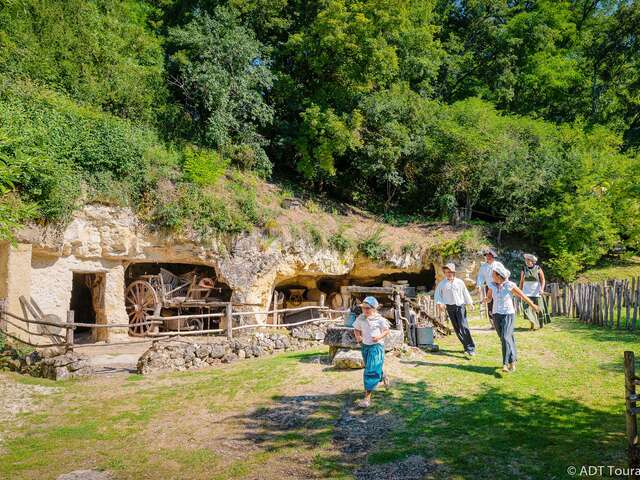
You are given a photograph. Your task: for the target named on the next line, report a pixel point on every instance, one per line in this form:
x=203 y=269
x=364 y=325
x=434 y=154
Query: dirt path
x=327 y=411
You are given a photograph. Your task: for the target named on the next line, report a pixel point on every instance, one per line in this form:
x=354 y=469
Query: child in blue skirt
x=370 y=328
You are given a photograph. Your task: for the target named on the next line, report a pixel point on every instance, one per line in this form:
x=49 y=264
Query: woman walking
x=484 y=278
x=370 y=328
x=501 y=291
x=532 y=284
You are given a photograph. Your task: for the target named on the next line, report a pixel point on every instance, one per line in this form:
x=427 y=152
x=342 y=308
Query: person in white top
x=485 y=278
x=370 y=328
x=501 y=291
x=452 y=295
x=532 y=284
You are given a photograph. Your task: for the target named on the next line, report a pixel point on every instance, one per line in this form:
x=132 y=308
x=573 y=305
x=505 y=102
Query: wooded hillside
x=521 y=114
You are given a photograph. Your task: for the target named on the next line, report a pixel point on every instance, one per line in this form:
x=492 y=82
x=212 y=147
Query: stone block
x=348 y=359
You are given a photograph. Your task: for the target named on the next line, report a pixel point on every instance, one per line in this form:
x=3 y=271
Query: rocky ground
x=17 y=398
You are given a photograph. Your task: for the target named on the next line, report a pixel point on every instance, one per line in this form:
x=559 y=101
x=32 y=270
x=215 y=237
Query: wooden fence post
x=229 y=315
x=398 y=312
x=636 y=302
x=69 y=332
x=3 y=309
x=619 y=297
x=630 y=379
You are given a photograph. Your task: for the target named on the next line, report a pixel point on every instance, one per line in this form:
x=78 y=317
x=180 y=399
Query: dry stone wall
x=187 y=355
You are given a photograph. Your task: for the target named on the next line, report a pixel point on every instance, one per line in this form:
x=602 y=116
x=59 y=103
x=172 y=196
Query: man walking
x=452 y=294
x=485 y=277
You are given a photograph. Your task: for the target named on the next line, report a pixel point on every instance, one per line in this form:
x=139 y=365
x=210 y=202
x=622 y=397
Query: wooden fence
x=65 y=337
x=611 y=304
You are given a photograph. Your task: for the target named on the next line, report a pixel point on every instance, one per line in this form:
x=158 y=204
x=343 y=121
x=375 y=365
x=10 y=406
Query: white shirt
x=371 y=327
x=485 y=274
x=531 y=289
x=452 y=292
x=502 y=297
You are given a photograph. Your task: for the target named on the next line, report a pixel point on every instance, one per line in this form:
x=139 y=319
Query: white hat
x=450 y=266
x=529 y=256
x=501 y=270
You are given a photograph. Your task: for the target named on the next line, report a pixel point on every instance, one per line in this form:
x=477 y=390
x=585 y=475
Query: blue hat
x=371 y=302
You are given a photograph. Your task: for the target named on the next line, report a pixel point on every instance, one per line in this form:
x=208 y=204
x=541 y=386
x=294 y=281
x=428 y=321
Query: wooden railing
x=66 y=339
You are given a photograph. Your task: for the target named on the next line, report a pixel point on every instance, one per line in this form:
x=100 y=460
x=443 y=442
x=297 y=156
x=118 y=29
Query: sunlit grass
x=468 y=420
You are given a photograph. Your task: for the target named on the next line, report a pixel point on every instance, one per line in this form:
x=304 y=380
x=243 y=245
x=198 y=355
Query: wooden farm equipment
x=406 y=310
x=149 y=295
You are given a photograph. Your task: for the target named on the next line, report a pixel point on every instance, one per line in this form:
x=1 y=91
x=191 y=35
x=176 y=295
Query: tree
x=221 y=74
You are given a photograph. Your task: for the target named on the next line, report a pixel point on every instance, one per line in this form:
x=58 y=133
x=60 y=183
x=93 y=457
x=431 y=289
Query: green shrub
x=409 y=248
x=373 y=247
x=317 y=237
x=564 y=265
x=203 y=166
x=339 y=242
x=63 y=150
x=101 y=52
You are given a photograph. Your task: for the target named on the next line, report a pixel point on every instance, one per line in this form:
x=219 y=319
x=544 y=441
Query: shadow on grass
x=449 y=353
x=597 y=332
x=411 y=432
x=468 y=367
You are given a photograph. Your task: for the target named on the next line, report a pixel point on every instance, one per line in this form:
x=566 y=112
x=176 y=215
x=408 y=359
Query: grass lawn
x=289 y=416
x=621 y=269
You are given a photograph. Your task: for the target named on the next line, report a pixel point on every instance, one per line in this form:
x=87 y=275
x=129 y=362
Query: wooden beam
x=357 y=289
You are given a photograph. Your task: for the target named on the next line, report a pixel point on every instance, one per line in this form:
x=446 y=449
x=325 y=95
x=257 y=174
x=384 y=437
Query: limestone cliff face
x=107 y=239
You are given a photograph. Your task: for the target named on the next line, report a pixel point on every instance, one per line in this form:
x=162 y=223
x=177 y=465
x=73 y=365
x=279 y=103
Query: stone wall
x=52 y=280
x=60 y=367
x=187 y=355
x=15 y=278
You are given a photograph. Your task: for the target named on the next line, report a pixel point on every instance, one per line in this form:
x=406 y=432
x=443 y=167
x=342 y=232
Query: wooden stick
x=74 y=325
x=229 y=322
x=636 y=302
x=70 y=317
x=31 y=344
x=284 y=310
x=627 y=301
x=185 y=317
x=288 y=325
x=22 y=329
x=619 y=295
x=185 y=332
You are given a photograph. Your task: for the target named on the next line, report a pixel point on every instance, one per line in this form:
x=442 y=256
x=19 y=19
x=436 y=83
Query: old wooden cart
x=168 y=293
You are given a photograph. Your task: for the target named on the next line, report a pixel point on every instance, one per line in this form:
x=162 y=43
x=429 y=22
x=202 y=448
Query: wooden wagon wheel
x=141 y=301
x=195 y=324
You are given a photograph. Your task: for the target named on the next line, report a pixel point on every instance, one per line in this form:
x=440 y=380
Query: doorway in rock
x=87 y=304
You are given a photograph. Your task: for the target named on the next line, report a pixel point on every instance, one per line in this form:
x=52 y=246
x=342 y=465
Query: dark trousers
x=489 y=308
x=458 y=316
x=505 y=324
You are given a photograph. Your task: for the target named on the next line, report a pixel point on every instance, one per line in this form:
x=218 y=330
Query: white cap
x=450 y=266
x=501 y=270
